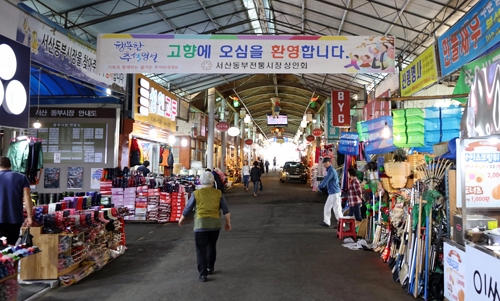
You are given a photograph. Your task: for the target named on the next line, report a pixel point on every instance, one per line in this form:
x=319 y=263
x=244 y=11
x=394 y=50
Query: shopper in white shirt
x=245 y=170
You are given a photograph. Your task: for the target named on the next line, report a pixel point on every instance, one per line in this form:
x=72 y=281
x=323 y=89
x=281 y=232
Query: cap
x=326 y=159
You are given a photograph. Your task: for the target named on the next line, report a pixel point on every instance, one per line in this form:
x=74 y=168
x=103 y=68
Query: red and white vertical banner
x=341 y=108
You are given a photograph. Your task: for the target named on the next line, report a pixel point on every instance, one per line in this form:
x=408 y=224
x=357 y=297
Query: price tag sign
x=482 y=172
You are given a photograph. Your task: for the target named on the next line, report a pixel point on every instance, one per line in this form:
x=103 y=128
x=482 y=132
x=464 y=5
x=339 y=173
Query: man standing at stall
x=331 y=183
x=14 y=189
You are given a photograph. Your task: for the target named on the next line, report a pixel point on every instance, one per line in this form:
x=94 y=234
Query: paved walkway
x=276 y=251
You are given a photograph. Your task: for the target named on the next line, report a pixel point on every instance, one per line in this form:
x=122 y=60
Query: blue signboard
x=471 y=36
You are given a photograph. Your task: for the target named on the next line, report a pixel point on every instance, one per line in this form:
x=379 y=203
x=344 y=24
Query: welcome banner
x=157 y=53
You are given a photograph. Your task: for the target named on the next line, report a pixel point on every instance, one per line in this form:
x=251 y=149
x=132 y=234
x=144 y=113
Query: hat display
x=326 y=159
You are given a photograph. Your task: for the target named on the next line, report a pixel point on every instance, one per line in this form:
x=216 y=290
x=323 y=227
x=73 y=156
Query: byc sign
x=155 y=102
x=341 y=108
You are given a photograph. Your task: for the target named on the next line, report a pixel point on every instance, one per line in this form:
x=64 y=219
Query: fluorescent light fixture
x=386 y=132
x=37 y=124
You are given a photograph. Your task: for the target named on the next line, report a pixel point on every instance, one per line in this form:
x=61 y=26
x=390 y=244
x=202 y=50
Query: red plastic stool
x=346 y=227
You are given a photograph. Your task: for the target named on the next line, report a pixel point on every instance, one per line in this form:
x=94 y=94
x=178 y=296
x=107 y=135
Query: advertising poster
x=332 y=133
x=51 y=178
x=208 y=54
x=454 y=273
x=420 y=74
x=470 y=37
x=482 y=172
x=75 y=177
x=95 y=178
x=482 y=275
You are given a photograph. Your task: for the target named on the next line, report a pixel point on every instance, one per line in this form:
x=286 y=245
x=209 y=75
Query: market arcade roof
x=414 y=23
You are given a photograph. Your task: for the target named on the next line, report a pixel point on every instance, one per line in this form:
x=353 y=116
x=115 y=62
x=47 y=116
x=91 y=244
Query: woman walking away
x=206 y=203
x=255 y=174
x=245 y=170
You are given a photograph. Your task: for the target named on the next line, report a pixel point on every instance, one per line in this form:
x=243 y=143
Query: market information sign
x=153 y=104
x=482 y=276
x=60 y=112
x=14 y=83
x=209 y=54
x=59 y=50
x=420 y=74
x=454 y=272
x=71 y=142
x=470 y=37
x=482 y=172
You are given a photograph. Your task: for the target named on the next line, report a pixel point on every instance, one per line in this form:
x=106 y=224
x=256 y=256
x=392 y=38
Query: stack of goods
x=153 y=203
x=76 y=275
x=408 y=127
x=372 y=132
x=441 y=125
x=349 y=144
x=179 y=200
x=129 y=195
x=164 y=207
x=9 y=290
x=141 y=203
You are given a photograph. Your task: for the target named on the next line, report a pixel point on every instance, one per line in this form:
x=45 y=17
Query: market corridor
x=276 y=251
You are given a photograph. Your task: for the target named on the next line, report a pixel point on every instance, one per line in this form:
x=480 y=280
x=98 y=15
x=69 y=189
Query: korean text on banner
x=420 y=74
x=470 y=37
x=332 y=132
x=454 y=272
x=207 y=54
x=58 y=50
x=341 y=108
x=482 y=275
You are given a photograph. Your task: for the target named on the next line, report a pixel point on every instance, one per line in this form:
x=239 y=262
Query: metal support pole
x=211 y=122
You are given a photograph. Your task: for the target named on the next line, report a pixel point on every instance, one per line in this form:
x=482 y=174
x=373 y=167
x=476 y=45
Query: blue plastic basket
x=447 y=123
x=376 y=124
x=452 y=111
x=349 y=150
x=433 y=137
x=380 y=146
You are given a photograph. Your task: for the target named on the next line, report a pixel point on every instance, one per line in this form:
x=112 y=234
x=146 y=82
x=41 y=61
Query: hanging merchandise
x=26 y=157
x=442 y=124
x=349 y=144
x=376 y=141
x=408 y=127
x=135 y=153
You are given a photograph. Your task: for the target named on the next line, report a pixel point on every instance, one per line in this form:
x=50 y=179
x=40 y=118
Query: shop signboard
x=470 y=37
x=468 y=72
x=420 y=74
x=317 y=132
x=55 y=47
x=209 y=54
x=454 y=272
x=153 y=103
x=482 y=276
x=332 y=132
x=310 y=138
x=14 y=83
x=482 y=117
x=341 y=108
x=61 y=112
x=375 y=109
x=222 y=126
x=481 y=157
x=248 y=141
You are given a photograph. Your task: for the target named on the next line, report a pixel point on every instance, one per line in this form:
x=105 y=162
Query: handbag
x=27 y=238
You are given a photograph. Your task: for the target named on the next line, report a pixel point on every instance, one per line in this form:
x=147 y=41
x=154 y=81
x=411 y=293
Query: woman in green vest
x=207 y=203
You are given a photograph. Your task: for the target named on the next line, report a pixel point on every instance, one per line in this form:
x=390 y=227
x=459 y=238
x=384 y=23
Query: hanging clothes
x=26 y=157
x=135 y=153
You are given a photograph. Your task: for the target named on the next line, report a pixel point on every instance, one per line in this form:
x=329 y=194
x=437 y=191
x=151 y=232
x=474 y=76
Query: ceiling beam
x=209 y=16
x=397 y=17
x=343 y=17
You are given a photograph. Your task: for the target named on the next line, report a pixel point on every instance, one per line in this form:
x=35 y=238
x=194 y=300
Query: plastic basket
x=433 y=137
x=398 y=182
x=436 y=124
x=411 y=128
x=411 y=139
x=415 y=160
x=348 y=142
x=387 y=185
x=408 y=120
x=452 y=111
x=376 y=124
x=349 y=136
x=407 y=113
x=348 y=150
x=380 y=146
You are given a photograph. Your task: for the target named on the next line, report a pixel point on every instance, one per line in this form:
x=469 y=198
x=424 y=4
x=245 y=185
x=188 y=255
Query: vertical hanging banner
x=341 y=108
x=208 y=54
x=332 y=132
x=470 y=37
x=420 y=74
